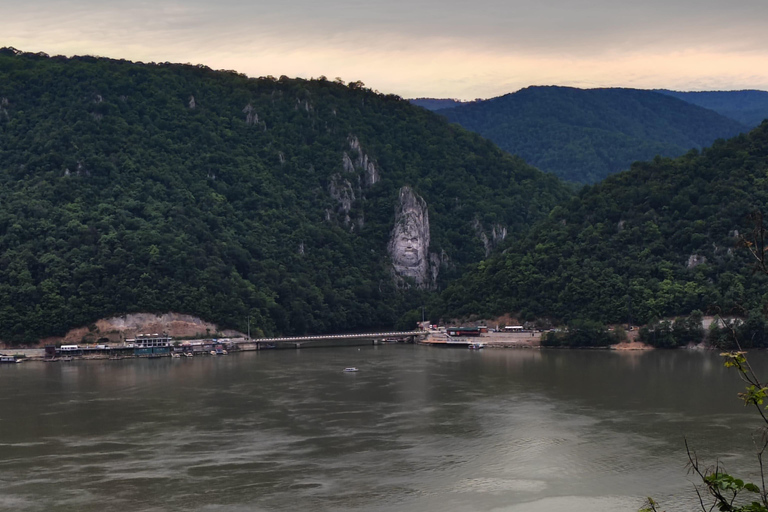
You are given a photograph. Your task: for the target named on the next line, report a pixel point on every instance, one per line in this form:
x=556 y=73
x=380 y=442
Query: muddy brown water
x=417 y=428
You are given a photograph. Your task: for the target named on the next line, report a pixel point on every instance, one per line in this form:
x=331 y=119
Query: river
x=417 y=428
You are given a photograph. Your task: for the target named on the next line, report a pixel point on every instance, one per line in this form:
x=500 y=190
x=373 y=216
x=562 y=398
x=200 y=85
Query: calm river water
x=416 y=429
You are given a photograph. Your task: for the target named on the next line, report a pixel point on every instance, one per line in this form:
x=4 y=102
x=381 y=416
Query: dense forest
x=436 y=104
x=128 y=187
x=748 y=107
x=659 y=240
x=584 y=135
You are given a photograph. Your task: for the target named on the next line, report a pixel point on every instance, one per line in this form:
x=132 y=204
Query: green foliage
x=660 y=238
x=130 y=187
x=585 y=135
x=681 y=332
x=581 y=333
x=751 y=332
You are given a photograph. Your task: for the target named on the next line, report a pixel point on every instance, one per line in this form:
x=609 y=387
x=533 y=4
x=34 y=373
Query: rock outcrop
x=695 y=260
x=409 y=242
x=251 y=117
x=358 y=172
x=363 y=162
x=497 y=235
x=342 y=192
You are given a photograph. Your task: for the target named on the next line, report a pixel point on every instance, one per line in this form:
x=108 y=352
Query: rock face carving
x=409 y=241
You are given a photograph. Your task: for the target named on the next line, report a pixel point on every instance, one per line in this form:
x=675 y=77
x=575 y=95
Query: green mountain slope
x=129 y=187
x=663 y=235
x=749 y=107
x=436 y=103
x=584 y=135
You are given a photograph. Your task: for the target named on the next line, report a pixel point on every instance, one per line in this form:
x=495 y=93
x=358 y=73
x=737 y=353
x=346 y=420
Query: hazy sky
x=448 y=48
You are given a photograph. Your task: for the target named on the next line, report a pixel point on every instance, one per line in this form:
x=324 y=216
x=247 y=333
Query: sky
x=420 y=48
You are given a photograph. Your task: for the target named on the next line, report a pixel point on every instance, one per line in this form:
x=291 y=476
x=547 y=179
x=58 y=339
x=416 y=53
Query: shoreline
x=432 y=339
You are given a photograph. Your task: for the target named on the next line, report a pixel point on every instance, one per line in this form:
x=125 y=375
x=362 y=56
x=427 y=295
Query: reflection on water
x=416 y=429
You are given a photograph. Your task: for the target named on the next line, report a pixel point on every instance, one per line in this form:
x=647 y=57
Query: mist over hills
x=584 y=135
x=159 y=187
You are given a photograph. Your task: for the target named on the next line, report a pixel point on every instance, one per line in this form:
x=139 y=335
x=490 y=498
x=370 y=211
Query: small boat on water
x=9 y=359
x=188 y=354
x=351 y=369
x=476 y=346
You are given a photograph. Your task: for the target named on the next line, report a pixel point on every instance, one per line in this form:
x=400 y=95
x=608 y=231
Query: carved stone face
x=409 y=241
x=407 y=245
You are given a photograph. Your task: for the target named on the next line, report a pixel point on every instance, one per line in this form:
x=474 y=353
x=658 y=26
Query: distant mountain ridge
x=662 y=239
x=584 y=135
x=749 y=107
x=436 y=103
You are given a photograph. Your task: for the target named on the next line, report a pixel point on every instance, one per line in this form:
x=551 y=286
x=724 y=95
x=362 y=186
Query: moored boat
x=351 y=369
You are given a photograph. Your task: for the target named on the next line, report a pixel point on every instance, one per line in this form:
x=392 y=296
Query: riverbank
x=529 y=339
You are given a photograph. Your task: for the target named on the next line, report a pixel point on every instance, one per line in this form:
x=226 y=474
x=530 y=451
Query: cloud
x=450 y=48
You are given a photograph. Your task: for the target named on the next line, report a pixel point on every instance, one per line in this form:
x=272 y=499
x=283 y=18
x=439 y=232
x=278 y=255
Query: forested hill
x=749 y=107
x=584 y=135
x=663 y=235
x=159 y=187
x=435 y=103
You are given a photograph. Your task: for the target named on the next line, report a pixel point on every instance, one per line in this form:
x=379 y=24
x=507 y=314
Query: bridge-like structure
x=372 y=337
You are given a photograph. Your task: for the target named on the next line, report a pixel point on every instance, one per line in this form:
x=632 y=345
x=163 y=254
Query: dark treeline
x=159 y=187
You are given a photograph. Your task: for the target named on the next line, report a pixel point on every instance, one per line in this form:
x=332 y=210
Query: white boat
x=9 y=359
x=476 y=346
x=351 y=369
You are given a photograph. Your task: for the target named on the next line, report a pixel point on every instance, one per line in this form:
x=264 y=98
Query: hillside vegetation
x=435 y=103
x=159 y=187
x=749 y=107
x=661 y=238
x=584 y=135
